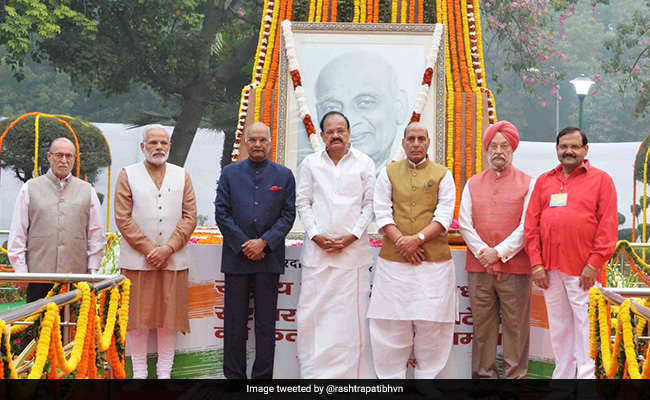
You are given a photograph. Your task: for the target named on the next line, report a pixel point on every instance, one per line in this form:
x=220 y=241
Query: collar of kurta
x=421 y=164
x=325 y=153
x=257 y=165
x=584 y=167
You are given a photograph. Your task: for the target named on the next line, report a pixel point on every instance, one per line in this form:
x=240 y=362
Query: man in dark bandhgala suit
x=255 y=210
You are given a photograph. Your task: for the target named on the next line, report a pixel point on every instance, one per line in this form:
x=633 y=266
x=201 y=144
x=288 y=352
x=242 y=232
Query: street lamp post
x=582 y=85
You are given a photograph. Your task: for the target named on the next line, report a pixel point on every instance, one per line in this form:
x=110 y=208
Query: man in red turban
x=506 y=129
x=491 y=221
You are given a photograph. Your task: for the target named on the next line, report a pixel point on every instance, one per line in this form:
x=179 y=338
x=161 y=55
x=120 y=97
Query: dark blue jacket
x=255 y=200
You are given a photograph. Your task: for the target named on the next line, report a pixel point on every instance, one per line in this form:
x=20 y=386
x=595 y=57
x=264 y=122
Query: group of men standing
x=556 y=231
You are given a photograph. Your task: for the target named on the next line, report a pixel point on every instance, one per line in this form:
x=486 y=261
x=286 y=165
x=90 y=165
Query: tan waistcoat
x=415 y=198
x=57 y=240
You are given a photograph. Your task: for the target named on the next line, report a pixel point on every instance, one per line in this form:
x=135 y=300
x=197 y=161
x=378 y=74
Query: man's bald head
x=363 y=86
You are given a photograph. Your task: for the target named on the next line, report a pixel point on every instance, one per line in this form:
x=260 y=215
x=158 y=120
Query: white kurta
x=334 y=200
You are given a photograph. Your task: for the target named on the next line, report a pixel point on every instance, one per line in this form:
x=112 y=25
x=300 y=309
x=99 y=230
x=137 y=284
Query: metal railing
x=105 y=282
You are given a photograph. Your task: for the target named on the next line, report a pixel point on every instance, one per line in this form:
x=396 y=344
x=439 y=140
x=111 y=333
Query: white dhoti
x=333 y=340
x=567 y=306
x=412 y=308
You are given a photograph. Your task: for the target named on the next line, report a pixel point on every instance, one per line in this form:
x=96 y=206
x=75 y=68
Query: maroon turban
x=508 y=130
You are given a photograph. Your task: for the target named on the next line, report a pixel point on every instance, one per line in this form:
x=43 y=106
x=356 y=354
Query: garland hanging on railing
x=607 y=359
x=639 y=266
x=88 y=337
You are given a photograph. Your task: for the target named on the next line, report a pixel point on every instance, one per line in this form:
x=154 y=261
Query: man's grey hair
x=152 y=127
x=61 y=139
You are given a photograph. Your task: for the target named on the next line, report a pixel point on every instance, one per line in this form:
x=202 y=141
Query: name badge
x=559 y=200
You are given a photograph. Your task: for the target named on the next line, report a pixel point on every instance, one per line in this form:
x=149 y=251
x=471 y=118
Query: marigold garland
x=5 y=353
x=599 y=336
x=393 y=12
x=83 y=354
x=266 y=53
x=43 y=346
x=19 y=328
x=104 y=340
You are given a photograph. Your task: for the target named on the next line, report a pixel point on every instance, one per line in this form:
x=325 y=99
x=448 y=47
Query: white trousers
x=333 y=340
x=567 y=306
x=393 y=341
x=166 y=348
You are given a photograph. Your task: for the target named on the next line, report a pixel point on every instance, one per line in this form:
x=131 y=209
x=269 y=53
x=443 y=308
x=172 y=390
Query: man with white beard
x=155 y=211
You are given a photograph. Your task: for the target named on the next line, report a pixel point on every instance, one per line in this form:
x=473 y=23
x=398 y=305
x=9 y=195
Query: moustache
x=569 y=156
x=336 y=140
x=498 y=157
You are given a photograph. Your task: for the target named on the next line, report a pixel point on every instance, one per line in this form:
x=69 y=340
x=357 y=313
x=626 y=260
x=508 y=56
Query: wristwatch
x=421 y=236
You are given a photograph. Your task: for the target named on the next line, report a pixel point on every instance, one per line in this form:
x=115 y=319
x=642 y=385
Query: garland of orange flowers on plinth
x=269 y=85
x=297 y=86
x=455 y=68
x=260 y=56
x=266 y=54
x=335 y=7
x=461 y=34
x=441 y=15
x=469 y=31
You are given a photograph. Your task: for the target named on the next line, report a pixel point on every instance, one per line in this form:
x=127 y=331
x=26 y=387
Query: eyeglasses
x=565 y=147
x=60 y=156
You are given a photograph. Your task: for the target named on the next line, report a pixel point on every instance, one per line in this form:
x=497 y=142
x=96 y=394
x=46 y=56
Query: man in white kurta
x=413 y=301
x=334 y=200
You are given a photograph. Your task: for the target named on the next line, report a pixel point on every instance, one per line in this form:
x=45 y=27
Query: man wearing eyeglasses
x=571 y=230
x=491 y=220
x=155 y=211
x=57 y=226
x=334 y=200
x=255 y=209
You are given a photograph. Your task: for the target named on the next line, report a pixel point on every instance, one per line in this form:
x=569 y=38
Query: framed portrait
x=371 y=73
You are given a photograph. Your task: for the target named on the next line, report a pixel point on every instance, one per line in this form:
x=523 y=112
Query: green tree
x=187 y=51
x=18 y=146
x=630 y=56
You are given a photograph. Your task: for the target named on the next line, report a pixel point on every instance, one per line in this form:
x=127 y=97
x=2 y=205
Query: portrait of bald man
x=364 y=86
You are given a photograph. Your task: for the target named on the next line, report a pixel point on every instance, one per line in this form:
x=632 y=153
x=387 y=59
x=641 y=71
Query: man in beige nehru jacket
x=498 y=269
x=57 y=225
x=155 y=210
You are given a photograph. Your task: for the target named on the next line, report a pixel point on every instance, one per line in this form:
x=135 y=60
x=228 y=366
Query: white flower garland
x=299 y=91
